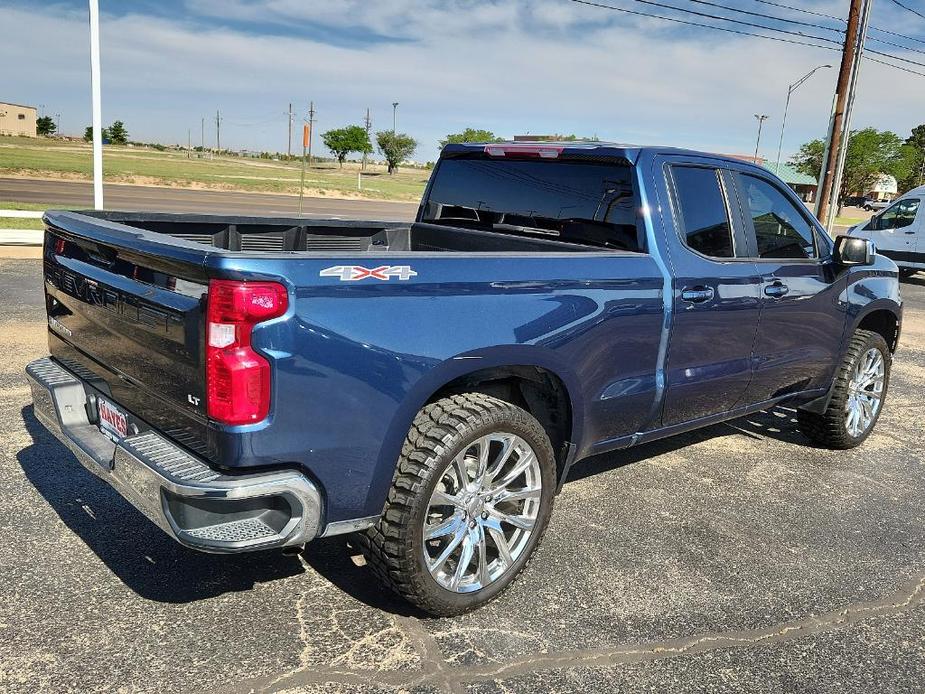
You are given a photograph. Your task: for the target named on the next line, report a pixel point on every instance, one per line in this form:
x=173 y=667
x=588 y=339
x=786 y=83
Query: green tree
x=45 y=125
x=916 y=144
x=871 y=152
x=469 y=135
x=395 y=147
x=342 y=141
x=118 y=135
x=88 y=134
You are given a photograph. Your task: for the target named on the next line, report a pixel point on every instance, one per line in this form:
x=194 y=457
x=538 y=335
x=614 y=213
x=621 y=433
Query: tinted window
x=702 y=209
x=780 y=229
x=900 y=215
x=583 y=202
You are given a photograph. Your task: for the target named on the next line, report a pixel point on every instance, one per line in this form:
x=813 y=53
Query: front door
x=716 y=295
x=802 y=321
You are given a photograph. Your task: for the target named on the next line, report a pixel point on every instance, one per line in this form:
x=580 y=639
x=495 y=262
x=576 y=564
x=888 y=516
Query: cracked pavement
x=737 y=558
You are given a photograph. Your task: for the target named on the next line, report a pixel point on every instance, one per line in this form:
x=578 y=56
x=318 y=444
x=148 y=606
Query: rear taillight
x=237 y=378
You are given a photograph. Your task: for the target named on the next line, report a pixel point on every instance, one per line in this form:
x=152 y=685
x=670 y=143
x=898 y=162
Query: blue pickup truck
x=252 y=383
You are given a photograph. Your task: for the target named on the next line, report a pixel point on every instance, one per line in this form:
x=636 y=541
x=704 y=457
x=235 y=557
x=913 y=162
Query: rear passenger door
x=716 y=294
x=802 y=318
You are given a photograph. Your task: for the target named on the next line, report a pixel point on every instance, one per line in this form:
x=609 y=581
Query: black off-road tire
x=394 y=546
x=829 y=429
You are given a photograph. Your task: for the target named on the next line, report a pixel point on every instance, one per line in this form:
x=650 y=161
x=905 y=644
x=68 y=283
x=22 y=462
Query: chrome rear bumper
x=199 y=507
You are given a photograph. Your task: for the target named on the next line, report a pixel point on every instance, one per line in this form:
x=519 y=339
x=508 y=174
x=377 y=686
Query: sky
x=509 y=66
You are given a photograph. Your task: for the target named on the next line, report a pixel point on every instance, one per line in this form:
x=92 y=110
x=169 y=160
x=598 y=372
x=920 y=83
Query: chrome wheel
x=482 y=512
x=865 y=393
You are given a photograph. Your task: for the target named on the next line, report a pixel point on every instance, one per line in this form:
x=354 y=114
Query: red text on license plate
x=112 y=419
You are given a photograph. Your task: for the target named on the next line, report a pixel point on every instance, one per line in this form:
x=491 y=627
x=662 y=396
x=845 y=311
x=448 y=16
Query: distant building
x=803 y=185
x=885 y=188
x=17 y=120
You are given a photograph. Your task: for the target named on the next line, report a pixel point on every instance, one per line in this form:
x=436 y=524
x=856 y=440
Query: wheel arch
x=882 y=319
x=531 y=377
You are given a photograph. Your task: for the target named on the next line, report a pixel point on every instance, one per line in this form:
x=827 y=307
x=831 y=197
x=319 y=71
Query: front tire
x=470 y=501
x=860 y=386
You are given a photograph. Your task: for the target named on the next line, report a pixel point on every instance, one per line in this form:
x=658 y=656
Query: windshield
x=582 y=202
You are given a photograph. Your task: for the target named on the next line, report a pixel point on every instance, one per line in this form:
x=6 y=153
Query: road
x=735 y=559
x=78 y=194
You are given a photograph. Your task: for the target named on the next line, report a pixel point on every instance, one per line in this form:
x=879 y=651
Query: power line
x=894 y=33
x=897 y=67
x=839 y=19
x=734 y=21
x=908 y=9
x=800 y=9
x=702 y=25
x=767 y=16
x=895 y=45
x=896 y=57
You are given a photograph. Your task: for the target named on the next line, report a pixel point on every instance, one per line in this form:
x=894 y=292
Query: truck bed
x=299 y=235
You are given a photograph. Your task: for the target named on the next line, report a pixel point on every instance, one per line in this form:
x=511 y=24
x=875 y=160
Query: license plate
x=113 y=422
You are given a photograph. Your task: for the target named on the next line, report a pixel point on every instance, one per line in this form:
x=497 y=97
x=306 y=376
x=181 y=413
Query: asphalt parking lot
x=738 y=558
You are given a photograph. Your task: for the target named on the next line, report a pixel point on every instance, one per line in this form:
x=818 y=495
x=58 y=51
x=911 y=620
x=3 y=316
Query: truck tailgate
x=126 y=314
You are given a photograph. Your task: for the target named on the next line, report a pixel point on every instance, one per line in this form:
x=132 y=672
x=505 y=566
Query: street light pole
x=793 y=87
x=761 y=119
x=97 y=104
x=394 y=116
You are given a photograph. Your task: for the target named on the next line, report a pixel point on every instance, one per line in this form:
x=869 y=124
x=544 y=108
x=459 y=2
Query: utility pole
x=58 y=123
x=311 y=129
x=218 y=132
x=761 y=119
x=837 y=121
x=202 y=136
x=189 y=143
x=394 y=116
x=289 y=146
x=369 y=125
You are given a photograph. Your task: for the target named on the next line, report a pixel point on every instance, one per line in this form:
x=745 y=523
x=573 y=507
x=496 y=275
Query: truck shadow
x=778 y=423
x=157 y=568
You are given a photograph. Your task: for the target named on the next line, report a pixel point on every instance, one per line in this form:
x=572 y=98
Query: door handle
x=697 y=295
x=777 y=290
x=908 y=232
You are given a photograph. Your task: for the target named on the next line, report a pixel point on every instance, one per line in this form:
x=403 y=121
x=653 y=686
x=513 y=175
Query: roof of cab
x=589 y=148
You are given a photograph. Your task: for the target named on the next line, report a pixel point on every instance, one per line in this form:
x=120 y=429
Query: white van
x=899 y=231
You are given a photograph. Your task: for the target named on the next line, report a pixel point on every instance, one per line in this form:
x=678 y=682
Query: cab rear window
x=582 y=202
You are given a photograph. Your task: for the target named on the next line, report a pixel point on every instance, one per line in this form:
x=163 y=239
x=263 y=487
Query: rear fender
x=450 y=370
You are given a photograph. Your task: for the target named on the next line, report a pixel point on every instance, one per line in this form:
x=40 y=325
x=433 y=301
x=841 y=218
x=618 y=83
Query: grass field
x=16 y=223
x=46 y=158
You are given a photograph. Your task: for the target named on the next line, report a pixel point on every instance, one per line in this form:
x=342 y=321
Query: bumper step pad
x=196 y=505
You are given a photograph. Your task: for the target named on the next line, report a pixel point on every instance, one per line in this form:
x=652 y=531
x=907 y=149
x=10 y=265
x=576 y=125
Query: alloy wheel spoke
x=518 y=521
x=462 y=475
x=484 y=577
x=507 y=447
x=518 y=494
x=451 y=547
x=522 y=464
x=441 y=498
x=465 y=558
x=447 y=527
x=504 y=549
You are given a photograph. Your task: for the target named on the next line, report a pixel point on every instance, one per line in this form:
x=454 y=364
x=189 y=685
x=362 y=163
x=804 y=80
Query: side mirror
x=850 y=250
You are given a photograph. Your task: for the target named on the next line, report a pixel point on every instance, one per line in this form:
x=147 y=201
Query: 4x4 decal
x=352 y=273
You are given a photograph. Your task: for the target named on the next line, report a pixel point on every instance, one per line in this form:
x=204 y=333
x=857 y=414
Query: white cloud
x=507 y=66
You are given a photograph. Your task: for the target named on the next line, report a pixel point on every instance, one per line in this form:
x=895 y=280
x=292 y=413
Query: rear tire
x=476 y=475
x=861 y=383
